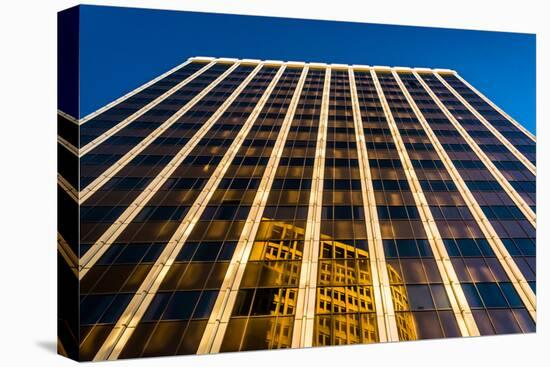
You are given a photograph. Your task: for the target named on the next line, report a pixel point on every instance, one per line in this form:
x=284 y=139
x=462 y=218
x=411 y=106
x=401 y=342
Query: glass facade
x=222 y=208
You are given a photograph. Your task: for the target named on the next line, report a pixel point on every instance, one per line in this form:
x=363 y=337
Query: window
x=344 y=185
x=131 y=254
x=397 y=212
x=437 y=185
x=427 y=164
x=343 y=212
x=451 y=212
x=484 y=186
x=161 y=213
x=491 y=295
x=407 y=248
x=101 y=213
x=104 y=308
x=225 y=212
x=419 y=297
x=390 y=185
x=520 y=246
x=501 y=212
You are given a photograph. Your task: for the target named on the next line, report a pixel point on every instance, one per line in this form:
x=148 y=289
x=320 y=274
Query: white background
x=28 y=181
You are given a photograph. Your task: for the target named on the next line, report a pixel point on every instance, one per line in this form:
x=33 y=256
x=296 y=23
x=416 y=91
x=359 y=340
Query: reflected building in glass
x=233 y=205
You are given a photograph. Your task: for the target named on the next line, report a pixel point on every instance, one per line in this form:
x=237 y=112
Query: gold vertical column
x=527 y=163
x=68 y=117
x=490 y=103
x=508 y=188
x=304 y=321
x=510 y=267
x=459 y=305
x=111 y=234
x=127 y=121
x=67 y=187
x=67 y=253
x=65 y=144
x=385 y=313
x=223 y=307
x=457 y=289
x=127 y=323
x=110 y=172
x=140 y=88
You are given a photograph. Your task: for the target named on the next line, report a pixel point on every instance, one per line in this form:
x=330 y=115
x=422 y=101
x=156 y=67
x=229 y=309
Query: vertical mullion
x=305 y=305
x=136 y=91
x=67 y=187
x=432 y=232
x=498 y=109
x=131 y=317
x=453 y=278
x=530 y=166
x=499 y=177
x=67 y=145
x=217 y=324
x=385 y=314
x=112 y=233
x=512 y=270
x=67 y=253
x=127 y=121
x=110 y=172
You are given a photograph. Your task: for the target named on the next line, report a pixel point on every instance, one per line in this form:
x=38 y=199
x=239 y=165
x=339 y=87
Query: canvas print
x=234 y=183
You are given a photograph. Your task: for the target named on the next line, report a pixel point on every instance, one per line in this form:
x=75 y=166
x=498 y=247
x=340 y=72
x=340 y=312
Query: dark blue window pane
x=471 y=295
x=468 y=247
x=419 y=297
x=227 y=251
x=451 y=246
x=181 y=306
x=207 y=251
x=424 y=248
x=491 y=295
x=93 y=307
x=511 y=295
x=187 y=251
x=205 y=305
x=485 y=248
x=116 y=308
x=389 y=248
x=407 y=248
x=157 y=306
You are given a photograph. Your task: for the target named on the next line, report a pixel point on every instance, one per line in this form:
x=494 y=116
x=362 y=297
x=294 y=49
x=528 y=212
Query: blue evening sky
x=122 y=48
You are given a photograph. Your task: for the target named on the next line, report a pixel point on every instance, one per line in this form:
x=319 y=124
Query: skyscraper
x=243 y=204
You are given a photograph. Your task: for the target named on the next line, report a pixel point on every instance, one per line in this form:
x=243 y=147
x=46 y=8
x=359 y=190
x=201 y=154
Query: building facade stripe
x=68 y=254
x=530 y=166
x=232 y=219
x=124 y=328
x=71 y=148
x=133 y=92
x=510 y=190
x=96 y=184
x=520 y=284
x=503 y=113
x=304 y=320
x=112 y=233
x=457 y=299
x=387 y=324
x=127 y=121
x=219 y=318
x=454 y=174
x=67 y=187
x=465 y=192
x=68 y=117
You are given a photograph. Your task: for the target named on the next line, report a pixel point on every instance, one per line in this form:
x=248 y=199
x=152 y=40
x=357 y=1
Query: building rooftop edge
x=322 y=64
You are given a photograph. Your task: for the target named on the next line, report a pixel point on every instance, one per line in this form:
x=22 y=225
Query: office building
x=233 y=205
